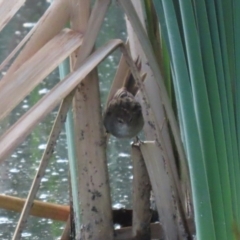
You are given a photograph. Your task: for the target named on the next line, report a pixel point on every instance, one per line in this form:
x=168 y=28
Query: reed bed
x=183 y=56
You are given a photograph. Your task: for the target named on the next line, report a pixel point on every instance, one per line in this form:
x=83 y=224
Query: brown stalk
x=94 y=190
x=165 y=198
x=39 y=209
x=79 y=15
x=66 y=235
x=67 y=231
x=141 y=196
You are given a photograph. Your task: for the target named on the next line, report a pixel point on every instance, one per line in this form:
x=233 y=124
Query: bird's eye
x=120 y=120
x=123 y=95
x=136 y=108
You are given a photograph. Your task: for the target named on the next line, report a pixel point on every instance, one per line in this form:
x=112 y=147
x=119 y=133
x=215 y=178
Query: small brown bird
x=123 y=117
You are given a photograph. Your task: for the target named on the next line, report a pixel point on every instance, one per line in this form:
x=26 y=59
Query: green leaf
x=187 y=105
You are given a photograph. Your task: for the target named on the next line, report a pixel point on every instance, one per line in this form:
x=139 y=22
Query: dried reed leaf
x=162 y=189
x=56 y=129
x=23 y=127
x=50 y=24
x=94 y=190
x=14 y=87
x=80 y=12
x=118 y=81
x=15 y=50
x=141 y=196
x=94 y=24
x=66 y=235
x=7 y=10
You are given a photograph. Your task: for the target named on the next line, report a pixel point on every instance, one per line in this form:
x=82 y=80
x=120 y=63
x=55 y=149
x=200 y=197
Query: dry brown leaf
x=89 y=135
x=121 y=74
x=80 y=12
x=7 y=10
x=50 y=24
x=19 y=84
x=140 y=196
x=23 y=127
x=94 y=24
x=161 y=185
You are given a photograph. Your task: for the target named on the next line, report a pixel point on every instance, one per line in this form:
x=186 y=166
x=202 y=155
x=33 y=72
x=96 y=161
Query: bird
x=123 y=117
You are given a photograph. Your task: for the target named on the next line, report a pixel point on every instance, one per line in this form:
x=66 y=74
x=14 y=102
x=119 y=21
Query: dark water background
x=18 y=171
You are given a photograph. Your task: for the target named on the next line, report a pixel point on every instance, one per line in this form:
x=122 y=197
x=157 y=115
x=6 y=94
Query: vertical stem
x=141 y=196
